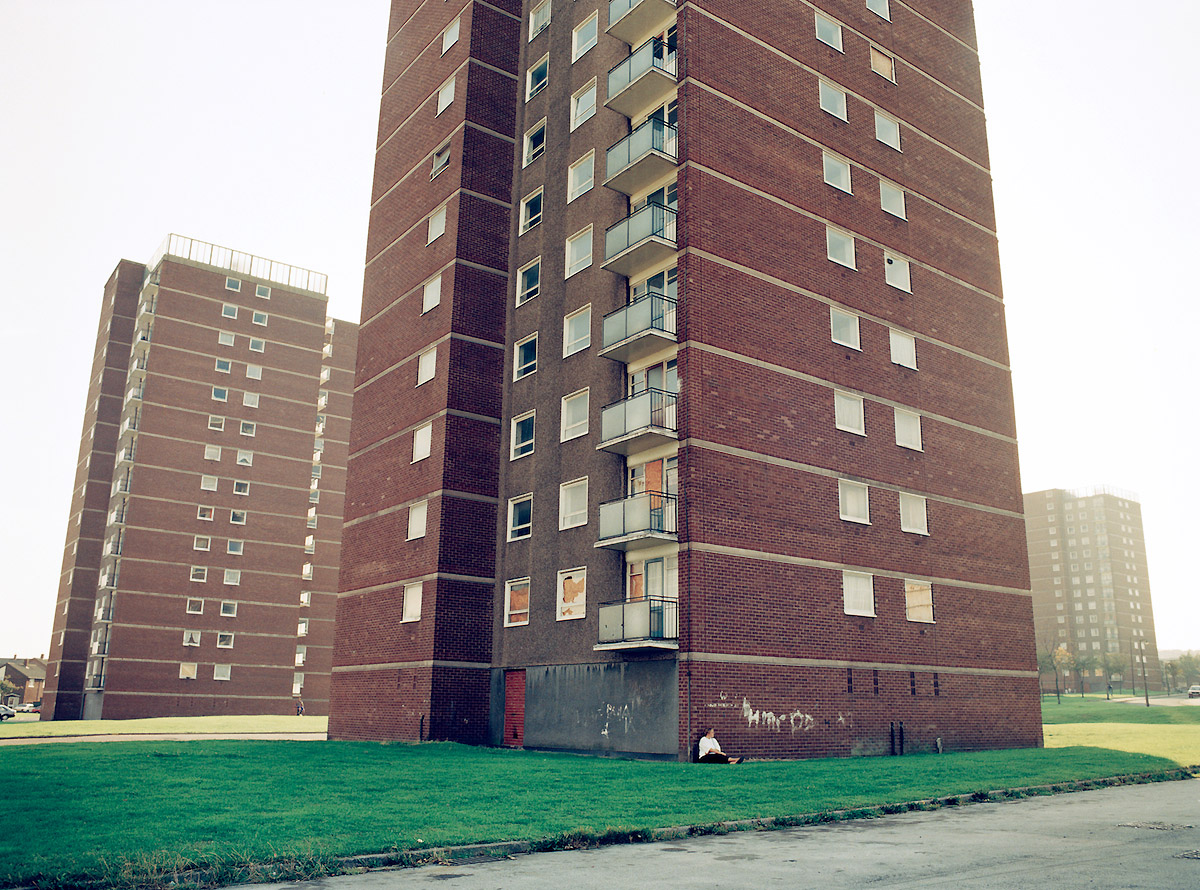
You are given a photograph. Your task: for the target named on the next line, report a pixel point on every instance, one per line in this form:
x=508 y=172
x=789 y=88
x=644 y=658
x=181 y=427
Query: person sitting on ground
x=710 y=750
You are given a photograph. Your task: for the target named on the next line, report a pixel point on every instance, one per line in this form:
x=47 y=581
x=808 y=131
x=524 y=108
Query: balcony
x=639 y=422
x=644 y=80
x=639 y=521
x=122 y=485
x=104 y=614
x=643 y=157
x=100 y=648
x=630 y=20
x=642 y=239
x=639 y=329
x=650 y=623
x=135 y=392
x=126 y=454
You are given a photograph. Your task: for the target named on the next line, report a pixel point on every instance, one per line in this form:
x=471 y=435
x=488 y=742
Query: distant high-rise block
x=202 y=549
x=683 y=397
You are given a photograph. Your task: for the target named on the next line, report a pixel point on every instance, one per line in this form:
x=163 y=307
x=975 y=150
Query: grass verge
x=137 y=814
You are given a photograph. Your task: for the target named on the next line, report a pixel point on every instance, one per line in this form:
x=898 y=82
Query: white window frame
x=840 y=247
x=584 y=236
x=234 y=547
x=195 y=606
x=205 y=513
x=228 y=310
x=829 y=32
x=254 y=372
x=903 y=348
x=834 y=170
x=832 y=100
x=579 y=344
x=575 y=610
x=241 y=487
x=225 y=639
x=881 y=8
x=262 y=291
x=187 y=670
x=431 y=293
x=573 y=519
x=202 y=543
x=849 y=412
x=437 y=225
x=257 y=344
x=439 y=161
x=916 y=609
x=525 y=448
x=245 y=458
x=532 y=152
x=418 y=520
x=836 y=315
x=914 y=513
x=525 y=294
x=445 y=96
x=529 y=218
x=578 y=48
x=259 y=318
x=897 y=271
x=883 y=64
x=226 y=338
x=532 y=89
x=192 y=637
x=247 y=428
x=891 y=200
x=208 y=483
x=222 y=672
x=450 y=34
x=233 y=284
x=582 y=110
x=887 y=130
x=522 y=371
x=199 y=574
x=854 y=597
x=512 y=503
x=422 y=442
x=250 y=399
x=237 y=517
x=410 y=603
x=579 y=428
x=539 y=19
x=427 y=365
x=588 y=164
x=212 y=452
x=220 y=393
x=848 y=491
x=508 y=611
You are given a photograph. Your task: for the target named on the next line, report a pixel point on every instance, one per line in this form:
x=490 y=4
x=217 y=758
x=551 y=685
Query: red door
x=514 y=709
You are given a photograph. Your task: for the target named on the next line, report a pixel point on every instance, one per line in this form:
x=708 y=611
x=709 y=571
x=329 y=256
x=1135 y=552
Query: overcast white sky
x=251 y=123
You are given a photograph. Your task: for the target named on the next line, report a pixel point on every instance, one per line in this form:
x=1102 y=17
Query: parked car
x=29 y=708
x=6 y=712
x=1194 y=692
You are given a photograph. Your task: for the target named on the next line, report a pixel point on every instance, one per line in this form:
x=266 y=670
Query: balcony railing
x=641 y=520
x=640 y=421
x=652 y=622
x=643 y=157
x=630 y=20
x=127 y=453
x=639 y=328
x=104 y=614
x=643 y=80
x=645 y=237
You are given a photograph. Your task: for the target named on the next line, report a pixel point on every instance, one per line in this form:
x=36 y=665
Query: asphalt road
x=1134 y=837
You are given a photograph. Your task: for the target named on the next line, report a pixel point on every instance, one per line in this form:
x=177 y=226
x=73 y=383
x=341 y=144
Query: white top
x=707 y=746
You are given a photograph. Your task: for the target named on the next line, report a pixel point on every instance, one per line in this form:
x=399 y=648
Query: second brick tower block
x=722 y=424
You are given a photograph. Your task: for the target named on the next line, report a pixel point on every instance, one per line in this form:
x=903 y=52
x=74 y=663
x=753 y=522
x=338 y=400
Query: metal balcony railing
x=654 y=55
x=654 y=146
x=650 y=231
x=104 y=614
x=650 y=513
x=653 y=409
x=651 y=312
x=645 y=620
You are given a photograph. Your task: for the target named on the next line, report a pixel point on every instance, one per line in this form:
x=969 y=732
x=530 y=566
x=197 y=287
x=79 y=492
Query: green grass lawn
x=18 y=727
x=126 y=810
x=1170 y=732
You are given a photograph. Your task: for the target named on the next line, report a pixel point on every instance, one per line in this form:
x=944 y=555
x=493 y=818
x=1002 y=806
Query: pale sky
x=251 y=123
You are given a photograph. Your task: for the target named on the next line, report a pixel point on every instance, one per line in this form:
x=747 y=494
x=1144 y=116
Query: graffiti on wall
x=796 y=721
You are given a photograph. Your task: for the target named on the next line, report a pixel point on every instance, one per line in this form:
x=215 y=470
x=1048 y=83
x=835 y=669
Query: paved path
x=1133 y=838
x=168 y=737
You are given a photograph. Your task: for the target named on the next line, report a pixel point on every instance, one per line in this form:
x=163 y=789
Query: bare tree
x=1085 y=663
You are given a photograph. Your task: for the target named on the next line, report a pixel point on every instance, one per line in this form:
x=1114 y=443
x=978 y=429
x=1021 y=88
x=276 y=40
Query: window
x=441 y=160
x=310 y=544
x=191 y=638
x=912 y=514
x=248 y=427
x=450 y=35
x=235 y=548
x=572 y=595
x=228 y=609
x=887 y=130
x=880 y=8
x=525 y=357
x=262 y=291
x=848 y=413
x=237 y=517
x=516 y=602
x=431 y=293
x=224 y=338
x=411 y=608
x=437 y=225
x=573 y=504
x=194 y=606
x=837 y=172
x=212 y=452
x=581 y=176
x=904 y=349
x=539 y=19
x=205 y=513
x=222 y=671
x=579 y=251
x=858 y=594
x=208 y=483
x=522 y=436
x=445 y=96
x=245 y=458
x=896 y=272
x=583 y=105
x=306 y=571
x=220 y=394
x=883 y=64
x=908 y=429
x=531 y=211
x=529 y=280
x=577 y=331
x=200 y=542
x=829 y=32
x=187 y=671
x=891 y=199
x=854 y=502
x=833 y=100
x=240 y=487
x=224 y=641
x=535 y=142
x=259 y=318
x=198 y=574
x=839 y=246
x=250 y=399
x=233 y=284
x=574 y=416
x=584 y=36
x=520 y=517
x=422 y=441
x=843 y=328
x=228 y=310
x=539 y=76
x=426 y=365
x=418 y=514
